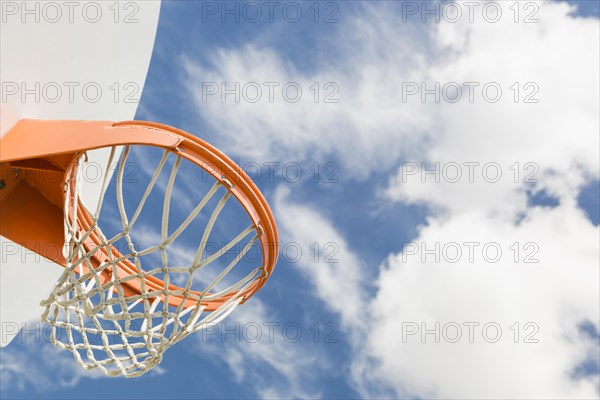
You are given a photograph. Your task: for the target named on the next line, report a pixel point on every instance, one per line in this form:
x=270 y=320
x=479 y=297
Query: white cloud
x=555 y=294
x=371 y=129
x=367 y=129
x=560 y=136
x=338 y=284
x=250 y=355
x=341 y=285
x=40 y=366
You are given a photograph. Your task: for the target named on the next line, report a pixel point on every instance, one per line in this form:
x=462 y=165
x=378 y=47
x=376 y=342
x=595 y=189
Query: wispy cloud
x=40 y=366
x=367 y=129
x=36 y=364
x=297 y=368
x=339 y=284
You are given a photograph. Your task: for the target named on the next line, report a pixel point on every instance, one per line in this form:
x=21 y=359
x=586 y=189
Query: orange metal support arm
x=34 y=156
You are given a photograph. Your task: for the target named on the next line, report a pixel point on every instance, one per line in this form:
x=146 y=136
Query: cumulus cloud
x=557 y=139
x=553 y=140
x=552 y=291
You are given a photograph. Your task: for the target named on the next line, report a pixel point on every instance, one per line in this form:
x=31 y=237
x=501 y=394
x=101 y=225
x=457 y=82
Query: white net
x=119 y=311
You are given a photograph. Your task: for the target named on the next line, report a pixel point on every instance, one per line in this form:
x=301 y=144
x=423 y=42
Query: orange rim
x=36 y=142
x=236 y=181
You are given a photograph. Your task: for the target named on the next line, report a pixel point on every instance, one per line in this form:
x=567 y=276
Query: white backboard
x=83 y=60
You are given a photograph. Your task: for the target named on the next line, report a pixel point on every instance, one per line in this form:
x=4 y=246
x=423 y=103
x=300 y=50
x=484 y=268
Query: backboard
x=53 y=66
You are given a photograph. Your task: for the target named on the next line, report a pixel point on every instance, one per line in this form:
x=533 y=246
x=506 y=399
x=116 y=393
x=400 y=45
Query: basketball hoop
x=109 y=308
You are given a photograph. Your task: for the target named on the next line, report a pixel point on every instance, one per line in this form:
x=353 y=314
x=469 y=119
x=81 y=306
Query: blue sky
x=363 y=208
